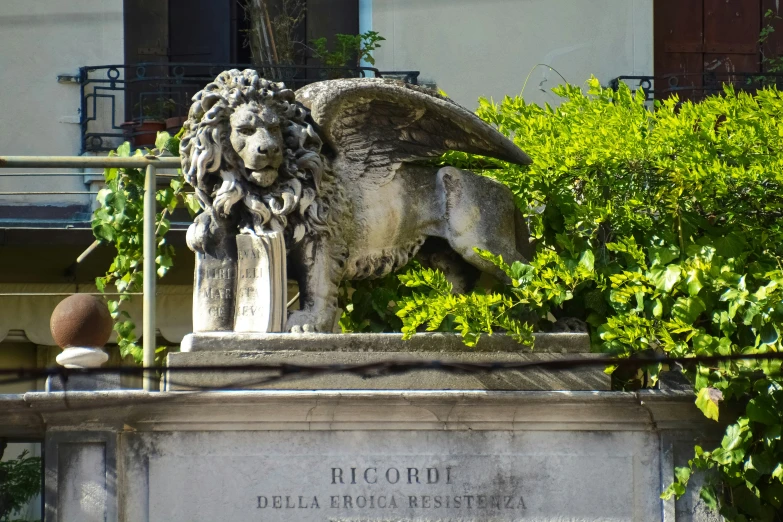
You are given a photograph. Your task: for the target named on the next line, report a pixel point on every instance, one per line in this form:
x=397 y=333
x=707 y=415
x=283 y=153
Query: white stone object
x=82 y=357
x=261 y=294
x=215 y=283
x=336 y=168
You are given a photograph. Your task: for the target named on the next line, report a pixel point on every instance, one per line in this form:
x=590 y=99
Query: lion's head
x=252 y=158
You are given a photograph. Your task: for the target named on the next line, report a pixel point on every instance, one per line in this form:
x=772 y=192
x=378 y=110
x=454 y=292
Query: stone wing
x=372 y=125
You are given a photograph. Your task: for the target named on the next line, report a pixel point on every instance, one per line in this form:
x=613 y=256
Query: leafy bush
x=20 y=481
x=661 y=230
x=119 y=221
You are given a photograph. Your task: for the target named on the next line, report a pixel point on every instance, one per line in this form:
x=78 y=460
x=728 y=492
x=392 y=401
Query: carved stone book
x=213 y=293
x=261 y=283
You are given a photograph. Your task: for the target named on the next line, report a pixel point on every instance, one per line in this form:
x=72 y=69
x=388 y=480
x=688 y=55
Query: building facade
x=74 y=72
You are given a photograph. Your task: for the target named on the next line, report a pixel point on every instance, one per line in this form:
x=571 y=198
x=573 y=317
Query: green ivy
x=119 y=221
x=371 y=305
x=660 y=229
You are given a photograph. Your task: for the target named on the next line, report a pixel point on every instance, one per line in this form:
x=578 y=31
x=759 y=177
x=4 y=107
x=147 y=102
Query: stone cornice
x=34 y=413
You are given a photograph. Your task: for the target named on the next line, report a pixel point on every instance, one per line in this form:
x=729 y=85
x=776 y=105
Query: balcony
x=696 y=87
x=134 y=101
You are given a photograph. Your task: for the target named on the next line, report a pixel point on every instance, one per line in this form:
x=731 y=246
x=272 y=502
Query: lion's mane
x=294 y=204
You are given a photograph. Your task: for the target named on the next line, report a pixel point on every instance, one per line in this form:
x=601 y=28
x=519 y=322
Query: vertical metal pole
x=150 y=250
x=83 y=113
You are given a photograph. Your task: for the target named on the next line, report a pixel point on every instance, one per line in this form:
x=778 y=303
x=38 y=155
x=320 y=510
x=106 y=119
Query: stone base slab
x=56 y=383
x=562 y=343
x=240 y=349
x=584 y=378
x=130 y=456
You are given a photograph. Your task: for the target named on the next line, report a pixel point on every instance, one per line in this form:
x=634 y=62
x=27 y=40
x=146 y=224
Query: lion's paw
x=303 y=321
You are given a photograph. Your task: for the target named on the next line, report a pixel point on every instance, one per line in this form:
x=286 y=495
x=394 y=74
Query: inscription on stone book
x=214 y=294
x=376 y=488
x=247 y=293
x=218 y=290
x=261 y=280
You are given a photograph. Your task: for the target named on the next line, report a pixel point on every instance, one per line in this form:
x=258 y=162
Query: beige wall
x=40 y=39
x=474 y=48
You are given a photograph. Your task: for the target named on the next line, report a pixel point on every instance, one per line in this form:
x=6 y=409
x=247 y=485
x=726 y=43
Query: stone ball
x=81 y=320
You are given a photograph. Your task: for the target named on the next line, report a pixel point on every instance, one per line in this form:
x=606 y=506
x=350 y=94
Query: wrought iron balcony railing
x=697 y=86
x=134 y=101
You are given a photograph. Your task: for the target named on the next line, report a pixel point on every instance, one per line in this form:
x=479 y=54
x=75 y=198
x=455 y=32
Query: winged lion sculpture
x=336 y=167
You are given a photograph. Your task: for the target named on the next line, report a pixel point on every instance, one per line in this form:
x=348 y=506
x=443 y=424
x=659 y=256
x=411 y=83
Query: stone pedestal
x=362 y=455
x=56 y=383
x=234 y=349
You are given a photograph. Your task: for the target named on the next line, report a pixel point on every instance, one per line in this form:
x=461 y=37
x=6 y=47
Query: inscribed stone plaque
x=214 y=291
x=421 y=476
x=261 y=283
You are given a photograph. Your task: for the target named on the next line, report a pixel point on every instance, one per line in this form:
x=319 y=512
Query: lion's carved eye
x=246 y=131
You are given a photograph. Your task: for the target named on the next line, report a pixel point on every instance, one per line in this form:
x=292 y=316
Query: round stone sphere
x=81 y=320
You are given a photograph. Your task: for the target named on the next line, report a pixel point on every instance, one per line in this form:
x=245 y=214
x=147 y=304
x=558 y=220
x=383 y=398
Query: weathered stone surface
x=551 y=456
x=403 y=476
x=261 y=293
x=562 y=343
x=83 y=383
x=232 y=349
x=363 y=209
x=580 y=378
x=214 y=289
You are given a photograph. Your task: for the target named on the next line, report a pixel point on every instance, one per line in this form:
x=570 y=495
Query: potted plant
x=151 y=119
x=350 y=51
x=174 y=124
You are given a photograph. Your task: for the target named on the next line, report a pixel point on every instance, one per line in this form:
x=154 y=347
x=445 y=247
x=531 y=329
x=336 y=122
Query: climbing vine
x=119 y=221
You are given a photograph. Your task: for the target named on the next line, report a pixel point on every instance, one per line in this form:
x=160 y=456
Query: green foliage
x=771 y=64
x=661 y=230
x=120 y=222
x=469 y=314
x=155 y=109
x=20 y=481
x=371 y=306
x=535 y=289
x=349 y=50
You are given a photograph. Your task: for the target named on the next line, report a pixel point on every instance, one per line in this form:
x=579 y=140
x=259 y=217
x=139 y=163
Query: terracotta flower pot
x=173 y=125
x=143 y=133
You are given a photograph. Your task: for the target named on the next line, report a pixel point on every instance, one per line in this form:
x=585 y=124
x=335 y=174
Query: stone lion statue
x=338 y=167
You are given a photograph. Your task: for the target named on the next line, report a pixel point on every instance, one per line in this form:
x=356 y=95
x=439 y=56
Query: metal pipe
x=84 y=162
x=150 y=250
x=88 y=251
x=45 y=174
x=39 y=294
x=149 y=240
x=65 y=174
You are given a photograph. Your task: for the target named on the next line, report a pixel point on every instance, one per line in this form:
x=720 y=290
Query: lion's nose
x=267 y=151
